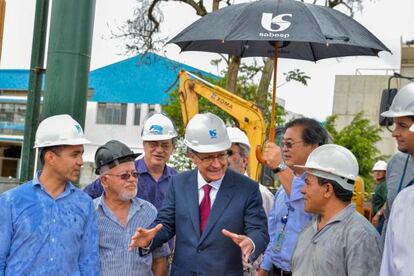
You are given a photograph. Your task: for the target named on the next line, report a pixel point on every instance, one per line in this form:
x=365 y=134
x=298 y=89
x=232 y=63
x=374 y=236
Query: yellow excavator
x=247 y=114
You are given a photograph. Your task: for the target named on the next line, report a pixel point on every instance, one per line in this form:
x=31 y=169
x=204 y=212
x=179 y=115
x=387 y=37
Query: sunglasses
x=125 y=176
x=288 y=144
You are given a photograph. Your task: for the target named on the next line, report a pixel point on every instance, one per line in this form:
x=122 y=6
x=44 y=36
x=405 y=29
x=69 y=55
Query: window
x=137 y=114
x=12 y=117
x=151 y=108
x=111 y=113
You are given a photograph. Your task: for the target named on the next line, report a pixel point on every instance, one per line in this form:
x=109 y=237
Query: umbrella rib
x=313 y=52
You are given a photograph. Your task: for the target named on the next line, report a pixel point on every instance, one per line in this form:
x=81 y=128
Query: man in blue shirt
x=288 y=217
x=153 y=174
x=120 y=212
x=48 y=226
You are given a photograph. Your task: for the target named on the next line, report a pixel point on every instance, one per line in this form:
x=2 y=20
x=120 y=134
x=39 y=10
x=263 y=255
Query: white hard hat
x=236 y=135
x=59 y=130
x=333 y=162
x=403 y=103
x=206 y=133
x=158 y=127
x=380 y=166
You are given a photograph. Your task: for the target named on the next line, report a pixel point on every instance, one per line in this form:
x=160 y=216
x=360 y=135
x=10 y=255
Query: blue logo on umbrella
x=156 y=129
x=213 y=133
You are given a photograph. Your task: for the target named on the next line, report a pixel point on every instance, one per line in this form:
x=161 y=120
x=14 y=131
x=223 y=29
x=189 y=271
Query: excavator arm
x=247 y=114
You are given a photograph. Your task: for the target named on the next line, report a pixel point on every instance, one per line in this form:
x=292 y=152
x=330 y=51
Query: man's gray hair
x=244 y=150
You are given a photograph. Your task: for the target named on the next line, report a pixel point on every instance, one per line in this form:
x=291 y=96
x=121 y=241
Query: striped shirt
x=114 y=239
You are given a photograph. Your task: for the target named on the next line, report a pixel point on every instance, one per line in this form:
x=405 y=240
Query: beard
x=125 y=195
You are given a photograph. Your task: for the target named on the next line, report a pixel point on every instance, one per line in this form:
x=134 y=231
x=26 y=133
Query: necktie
x=205 y=206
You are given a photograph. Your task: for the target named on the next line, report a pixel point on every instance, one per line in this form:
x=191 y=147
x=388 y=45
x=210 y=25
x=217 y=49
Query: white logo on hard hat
x=268 y=20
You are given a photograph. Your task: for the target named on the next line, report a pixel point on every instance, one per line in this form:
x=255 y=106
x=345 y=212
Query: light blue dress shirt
x=114 y=239
x=280 y=254
x=42 y=235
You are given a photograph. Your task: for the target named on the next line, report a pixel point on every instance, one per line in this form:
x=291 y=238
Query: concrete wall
x=356 y=93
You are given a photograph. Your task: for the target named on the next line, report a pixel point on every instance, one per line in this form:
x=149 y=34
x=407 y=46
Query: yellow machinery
x=358 y=197
x=247 y=114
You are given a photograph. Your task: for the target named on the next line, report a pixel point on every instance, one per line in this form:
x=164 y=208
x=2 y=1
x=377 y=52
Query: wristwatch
x=281 y=167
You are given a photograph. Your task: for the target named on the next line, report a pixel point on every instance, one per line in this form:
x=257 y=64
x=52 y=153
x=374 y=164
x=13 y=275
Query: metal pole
x=68 y=60
x=2 y=16
x=35 y=86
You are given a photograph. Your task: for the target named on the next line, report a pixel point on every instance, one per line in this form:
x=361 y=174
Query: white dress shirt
x=398 y=256
x=213 y=192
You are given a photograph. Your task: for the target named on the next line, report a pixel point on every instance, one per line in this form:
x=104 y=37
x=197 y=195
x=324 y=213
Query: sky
x=390 y=20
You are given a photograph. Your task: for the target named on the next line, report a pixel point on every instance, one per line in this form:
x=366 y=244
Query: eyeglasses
x=231 y=152
x=165 y=145
x=288 y=144
x=125 y=176
x=222 y=158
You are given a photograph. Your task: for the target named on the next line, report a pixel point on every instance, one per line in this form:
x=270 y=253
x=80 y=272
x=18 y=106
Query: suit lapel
x=223 y=198
x=192 y=201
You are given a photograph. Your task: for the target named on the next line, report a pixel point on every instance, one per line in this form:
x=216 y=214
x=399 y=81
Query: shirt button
x=53 y=239
x=51 y=259
x=53 y=220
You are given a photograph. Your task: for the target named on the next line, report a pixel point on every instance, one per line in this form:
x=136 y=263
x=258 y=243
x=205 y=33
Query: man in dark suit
x=215 y=213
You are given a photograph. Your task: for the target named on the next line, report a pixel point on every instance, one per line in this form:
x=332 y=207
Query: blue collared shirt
x=148 y=189
x=114 y=239
x=296 y=221
x=42 y=235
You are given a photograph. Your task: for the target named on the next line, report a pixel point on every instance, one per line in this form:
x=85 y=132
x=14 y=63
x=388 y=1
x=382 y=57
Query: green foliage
x=297 y=75
x=359 y=137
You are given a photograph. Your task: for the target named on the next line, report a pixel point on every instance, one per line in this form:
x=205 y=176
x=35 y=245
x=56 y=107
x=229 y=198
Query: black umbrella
x=279 y=28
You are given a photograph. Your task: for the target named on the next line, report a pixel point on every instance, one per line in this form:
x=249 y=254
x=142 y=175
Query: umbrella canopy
x=308 y=32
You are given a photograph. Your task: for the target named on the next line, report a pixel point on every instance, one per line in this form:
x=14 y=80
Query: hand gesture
x=272 y=155
x=245 y=244
x=375 y=220
x=143 y=237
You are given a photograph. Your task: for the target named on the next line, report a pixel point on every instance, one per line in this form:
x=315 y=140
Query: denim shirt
x=42 y=235
x=297 y=219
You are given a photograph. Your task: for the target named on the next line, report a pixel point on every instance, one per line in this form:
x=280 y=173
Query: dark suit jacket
x=237 y=208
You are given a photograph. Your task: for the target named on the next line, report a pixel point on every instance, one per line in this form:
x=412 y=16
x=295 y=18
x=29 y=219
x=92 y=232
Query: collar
x=136 y=205
x=69 y=187
x=201 y=181
x=341 y=216
x=141 y=167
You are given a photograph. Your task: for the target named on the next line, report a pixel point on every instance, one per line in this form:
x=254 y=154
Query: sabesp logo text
x=275 y=24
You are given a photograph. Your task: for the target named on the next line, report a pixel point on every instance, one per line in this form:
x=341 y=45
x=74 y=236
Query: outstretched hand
x=245 y=244
x=143 y=237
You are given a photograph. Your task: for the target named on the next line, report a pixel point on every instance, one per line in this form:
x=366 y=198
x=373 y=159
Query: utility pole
x=35 y=90
x=68 y=59
x=2 y=17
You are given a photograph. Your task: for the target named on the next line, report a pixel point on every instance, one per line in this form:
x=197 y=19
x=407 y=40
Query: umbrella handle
x=259 y=155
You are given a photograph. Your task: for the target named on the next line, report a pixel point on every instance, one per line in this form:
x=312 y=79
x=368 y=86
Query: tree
x=359 y=137
x=143 y=32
